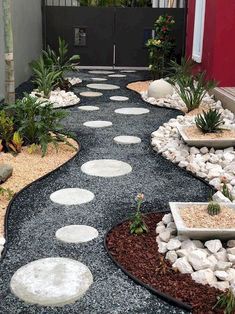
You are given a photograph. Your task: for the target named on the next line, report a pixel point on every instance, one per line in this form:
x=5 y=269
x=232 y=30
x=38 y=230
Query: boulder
x=213 y=245
x=160 y=89
x=5 y=172
x=183 y=266
x=205 y=276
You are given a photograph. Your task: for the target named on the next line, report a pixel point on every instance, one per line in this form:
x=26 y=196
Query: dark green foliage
x=38 y=122
x=227 y=302
x=209 y=121
x=192 y=89
x=213 y=208
x=6 y=130
x=8 y=192
x=182 y=70
x=45 y=78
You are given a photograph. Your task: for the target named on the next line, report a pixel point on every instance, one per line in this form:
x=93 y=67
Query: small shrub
x=45 y=78
x=8 y=192
x=210 y=121
x=192 y=89
x=138 y=226
x=6 y=130
x=227 y=302
x=213 y=208
x=38 y=123
x=182 y=70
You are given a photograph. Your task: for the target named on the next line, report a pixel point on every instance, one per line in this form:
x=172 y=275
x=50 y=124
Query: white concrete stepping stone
x=91 y=94
x=52 y=281
x=106 y=168
x=97 y=124
x=76 y=234
x=89 y=108
x=132 y=111
x=99 y=79
x=103 y=86
x=117 y=75
x=101 y=72
x=128 y=71
x=119 y=98
x=126 y=139
x=72 y=196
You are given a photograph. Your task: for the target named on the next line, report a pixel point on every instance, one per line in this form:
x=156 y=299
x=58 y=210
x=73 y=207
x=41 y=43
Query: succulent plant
x=213 y=208
x=209 y=121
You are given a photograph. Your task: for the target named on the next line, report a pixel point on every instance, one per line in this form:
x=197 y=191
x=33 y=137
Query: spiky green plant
x=193 y=88
x=213 y=208
x=138 y=225
x=184 y=69
x=226 y=192
x=226 y=301
x=209 y=121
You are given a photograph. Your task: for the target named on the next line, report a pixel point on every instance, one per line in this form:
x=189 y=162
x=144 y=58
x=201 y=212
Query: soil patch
x=139 y=256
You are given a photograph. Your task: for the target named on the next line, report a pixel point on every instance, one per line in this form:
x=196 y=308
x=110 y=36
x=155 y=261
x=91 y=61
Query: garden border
x=22 y=190
x=164 y=296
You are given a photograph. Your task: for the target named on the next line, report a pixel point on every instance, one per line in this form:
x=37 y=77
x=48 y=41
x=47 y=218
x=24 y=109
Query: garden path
x=35 y=218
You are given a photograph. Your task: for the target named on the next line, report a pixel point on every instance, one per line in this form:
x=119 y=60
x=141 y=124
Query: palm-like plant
x=192 y=89
x=210 y=121
x=184 y=69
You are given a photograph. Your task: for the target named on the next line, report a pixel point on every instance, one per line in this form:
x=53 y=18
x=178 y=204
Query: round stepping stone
x=132 y=111
x=106 y=168
x=126 y=140
x=117 y=75
x=99 y=79
x=103 y=86
x=51 y=281
x=97 y=124
x=91 y=94
x=128 y=71
x=119 y=98
x=72 y=196
x=76 y=234
x=89 y=108
x=101 y=72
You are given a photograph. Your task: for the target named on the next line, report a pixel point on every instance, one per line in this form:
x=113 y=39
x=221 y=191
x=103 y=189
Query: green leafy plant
x=8 y=192
x=60 y=62
x=16 y=142
x=6 y=130
x=161 y=46
x=192 y=89
x=38 y=123
x=45 y=78
x=226 y=301
x=213 y=208
x=138 y=225
x=182 y=70
x=209 y=121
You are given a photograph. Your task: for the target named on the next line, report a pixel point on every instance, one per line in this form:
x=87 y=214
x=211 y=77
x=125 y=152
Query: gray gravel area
x=34 y=218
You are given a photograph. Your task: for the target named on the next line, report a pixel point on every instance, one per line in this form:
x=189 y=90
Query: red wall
x=218 y=57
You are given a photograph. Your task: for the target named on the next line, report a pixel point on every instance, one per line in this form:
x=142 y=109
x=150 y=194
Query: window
x=198 y=30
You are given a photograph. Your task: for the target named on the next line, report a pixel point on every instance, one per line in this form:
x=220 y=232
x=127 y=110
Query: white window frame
x=198 y=34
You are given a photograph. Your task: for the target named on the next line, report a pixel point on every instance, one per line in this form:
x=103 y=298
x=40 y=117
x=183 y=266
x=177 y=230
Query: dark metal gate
x=108 y=36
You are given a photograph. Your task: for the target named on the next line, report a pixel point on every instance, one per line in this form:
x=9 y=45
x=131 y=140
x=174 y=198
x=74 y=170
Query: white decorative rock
x=213 y=245
x=106 y=168
x=183 y=266
x=173 y=244
x=205 y=276
x=72 y=196
x=165 y=235
x=221 y=285
x=231 y=250
x=167 y=218
x=160 y=229
x=220 y=198
x=221 y=255
x=51 y=281
x=162 y=247
x=1 y=249
x=198 y=259
x=160 y=89
x=188 y=245
x=223 y=265
x=171 y=256
x=182 y=252
x=231 y=243
x=76 y=234
x=222 y=275
x=231 y=258
x=2 y=240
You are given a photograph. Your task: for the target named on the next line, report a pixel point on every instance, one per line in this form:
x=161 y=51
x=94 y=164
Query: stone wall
x=27 y=28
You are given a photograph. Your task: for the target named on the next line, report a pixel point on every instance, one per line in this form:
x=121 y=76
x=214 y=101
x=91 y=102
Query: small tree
x=9 y=57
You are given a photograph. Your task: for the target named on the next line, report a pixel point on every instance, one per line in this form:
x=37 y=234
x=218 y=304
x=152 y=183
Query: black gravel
x=34 y=219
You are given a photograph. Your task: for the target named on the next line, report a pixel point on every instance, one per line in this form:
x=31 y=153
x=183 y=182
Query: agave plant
x=210 y=121
x=192 y=88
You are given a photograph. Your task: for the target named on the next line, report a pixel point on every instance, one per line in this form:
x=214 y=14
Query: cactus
x=213 y=208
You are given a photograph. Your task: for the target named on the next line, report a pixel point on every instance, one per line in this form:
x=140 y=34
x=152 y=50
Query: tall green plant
x=182 y=70
x=9 y=56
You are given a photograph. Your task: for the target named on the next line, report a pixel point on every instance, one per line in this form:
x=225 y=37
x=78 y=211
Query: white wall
x=27 y=32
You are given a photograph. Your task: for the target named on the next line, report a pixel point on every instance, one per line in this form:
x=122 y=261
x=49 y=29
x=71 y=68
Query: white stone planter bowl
x=199 y=233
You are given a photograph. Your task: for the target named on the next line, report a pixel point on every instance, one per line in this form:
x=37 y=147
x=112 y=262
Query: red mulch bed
x=139 y=256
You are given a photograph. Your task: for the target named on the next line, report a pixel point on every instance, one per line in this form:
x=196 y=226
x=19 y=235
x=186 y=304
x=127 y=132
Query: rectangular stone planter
x=216 y=143
x=199 y=233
